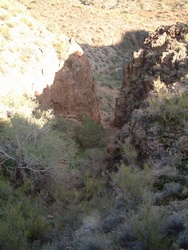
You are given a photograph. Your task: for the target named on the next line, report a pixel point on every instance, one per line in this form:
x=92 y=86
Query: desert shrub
x=126 y=236
x=172 y=225
x=92 y=186
x=27 y=147
x=22 y=219
x=175 y=109
x=111 y=220
x=169 y=108
x=183 y=239
x=130 y=153
x=182 y=166
x=92 y=242
x=39 y=246
x=5 y=188
x=82 y=180
x=64 y=125
x=88 y=134
x=133 y=184
x=147 y=223
x=89 y=236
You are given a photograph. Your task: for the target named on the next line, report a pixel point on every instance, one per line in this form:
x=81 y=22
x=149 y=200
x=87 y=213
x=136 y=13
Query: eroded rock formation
x=164 y=56
x=152 y=112
x=72 y=93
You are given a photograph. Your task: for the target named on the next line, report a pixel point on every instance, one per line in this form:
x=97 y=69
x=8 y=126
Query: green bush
x=92 y=186
x=133 y=184
x=130 y=153
x=31 y=146
x=64 y=126
x=175 y=109
x=169 y=108
x=147 y=222
x=22 y=219
x=88 y=134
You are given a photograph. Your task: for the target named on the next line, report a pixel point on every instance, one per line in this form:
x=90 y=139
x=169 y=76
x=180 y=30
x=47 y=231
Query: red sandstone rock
x=72 y=93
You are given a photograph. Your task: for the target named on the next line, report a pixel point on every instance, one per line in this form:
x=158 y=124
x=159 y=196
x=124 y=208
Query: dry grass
x=24 y=43
x=107 y=24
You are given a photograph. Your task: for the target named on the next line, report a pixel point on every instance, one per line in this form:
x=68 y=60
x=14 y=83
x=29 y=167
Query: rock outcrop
x=72 y=93
x=32 y=60
x=153 y=113
x=164 y=56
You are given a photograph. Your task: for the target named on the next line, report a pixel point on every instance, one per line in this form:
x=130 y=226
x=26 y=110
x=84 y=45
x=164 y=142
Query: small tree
x=29 y=148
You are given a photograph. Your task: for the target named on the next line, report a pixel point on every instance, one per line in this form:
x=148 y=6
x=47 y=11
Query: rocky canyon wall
x=164 y=56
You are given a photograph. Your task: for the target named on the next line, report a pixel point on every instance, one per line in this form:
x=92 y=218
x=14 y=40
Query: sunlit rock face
x=72 y=93
x=163 y=56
